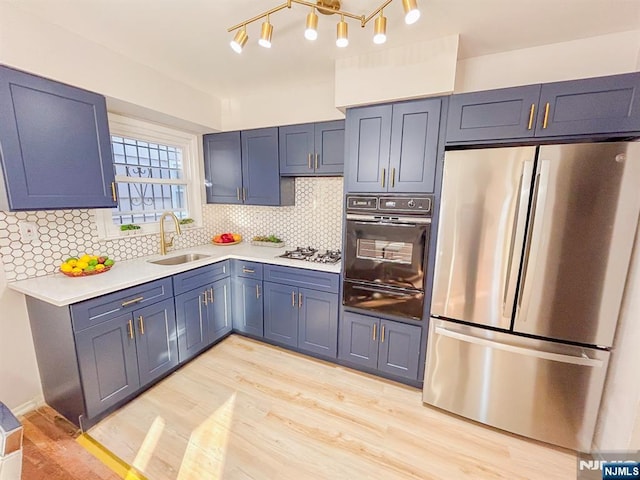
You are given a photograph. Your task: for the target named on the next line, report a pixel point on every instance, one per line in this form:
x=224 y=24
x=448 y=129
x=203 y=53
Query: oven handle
x=400 y=221
x=390 y=292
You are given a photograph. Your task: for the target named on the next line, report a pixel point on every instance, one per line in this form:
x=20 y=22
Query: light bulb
x=380 y=30
x=342 y=39
x=311 y=30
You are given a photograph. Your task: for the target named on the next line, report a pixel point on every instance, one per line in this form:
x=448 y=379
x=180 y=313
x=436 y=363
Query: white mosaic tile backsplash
x=314 y=220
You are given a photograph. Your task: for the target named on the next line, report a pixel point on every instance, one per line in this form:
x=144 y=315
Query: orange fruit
x=237 y=237
x=217 y=238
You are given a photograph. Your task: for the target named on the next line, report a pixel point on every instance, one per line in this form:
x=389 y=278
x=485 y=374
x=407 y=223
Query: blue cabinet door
x=368 y=139
x=414 y=146
x=281 y=313
x=318 y=322
x=399 y=349
x=359 y=339
x=296 y=144
x=590 y=106
x=108 y=365
x=55 y=145
x=223 y=167
x=156 y=341
x=493 y=115
x=260 y=167
x=219 y=309
x=192 y=324
x=329 y=148
x=248 y=314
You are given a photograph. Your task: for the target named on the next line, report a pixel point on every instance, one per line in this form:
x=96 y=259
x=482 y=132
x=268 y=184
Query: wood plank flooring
x=50 y=451
x=247 y=410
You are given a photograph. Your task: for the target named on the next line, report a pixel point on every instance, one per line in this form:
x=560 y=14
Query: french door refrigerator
x=533 y=249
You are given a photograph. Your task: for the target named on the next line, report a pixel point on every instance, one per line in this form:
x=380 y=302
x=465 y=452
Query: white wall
x=30 y=44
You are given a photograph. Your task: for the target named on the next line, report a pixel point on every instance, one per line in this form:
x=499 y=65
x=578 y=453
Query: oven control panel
x=416 y=204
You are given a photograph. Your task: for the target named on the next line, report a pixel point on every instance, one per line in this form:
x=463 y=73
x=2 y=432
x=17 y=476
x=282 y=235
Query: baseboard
x=28 y=406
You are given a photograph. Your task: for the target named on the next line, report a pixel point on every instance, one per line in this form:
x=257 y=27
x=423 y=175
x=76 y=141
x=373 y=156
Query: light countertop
x=61 y=290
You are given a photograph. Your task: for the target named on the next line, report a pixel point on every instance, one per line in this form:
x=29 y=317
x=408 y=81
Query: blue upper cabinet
x=592 y=106
x=496 y=114
x=243 y=167
x=55 y=148
x=312 y=149
x=393 y=148
x=602 y=105
x=222 y=167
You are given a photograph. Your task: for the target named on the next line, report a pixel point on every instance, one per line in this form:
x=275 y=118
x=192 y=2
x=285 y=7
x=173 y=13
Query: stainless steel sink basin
x=179 y=259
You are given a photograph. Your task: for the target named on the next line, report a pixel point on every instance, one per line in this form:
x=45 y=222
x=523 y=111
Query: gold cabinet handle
x=293 y=299
x=205 y=300
x=533 y=109
x=211 y=295
x=393 y=177
x=130 y=329
x=384 y=175
x=375 y=330
x=299 y=300
x=382 y=334
x=317 y=160
x=141 y=324
x=257 y=291
x=113 y=191
x=248 y=270
x=244 y=194
x=309 y=160
x=132 y=301
x=238 y=193
x=546 y=115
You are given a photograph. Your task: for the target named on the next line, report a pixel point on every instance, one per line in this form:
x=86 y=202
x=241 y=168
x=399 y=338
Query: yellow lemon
x=72 y=262
x=65 y=267
x=99 y=267
x=82 y=264
x=85 y=258
x=76 y=270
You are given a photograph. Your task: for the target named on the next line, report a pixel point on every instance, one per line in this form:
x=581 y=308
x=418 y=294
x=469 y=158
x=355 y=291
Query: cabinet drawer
x=97 y=310
x=300 y=277
x=183 y=282
x=242 y=268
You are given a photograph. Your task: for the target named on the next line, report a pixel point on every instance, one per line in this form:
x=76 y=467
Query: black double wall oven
x=385 y=253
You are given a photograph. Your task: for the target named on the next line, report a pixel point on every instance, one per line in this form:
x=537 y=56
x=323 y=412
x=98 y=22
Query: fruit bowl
x=227 y=239
x=85 y=265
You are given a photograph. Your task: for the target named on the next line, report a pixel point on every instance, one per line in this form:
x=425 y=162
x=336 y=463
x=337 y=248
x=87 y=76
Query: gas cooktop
x=309 y=254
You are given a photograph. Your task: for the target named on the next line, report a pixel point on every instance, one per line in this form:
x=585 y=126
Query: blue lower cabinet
x=156 y=341
x=108 y=363
x=281 y=313
x=318 y=322
x=248 y=313
x=191 y=320
x=388 y=346
x=219 y=309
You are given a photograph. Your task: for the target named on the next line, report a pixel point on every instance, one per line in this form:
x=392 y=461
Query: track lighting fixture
x=327 y=7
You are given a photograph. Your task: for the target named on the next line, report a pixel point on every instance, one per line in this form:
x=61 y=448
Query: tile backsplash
x=314 y=220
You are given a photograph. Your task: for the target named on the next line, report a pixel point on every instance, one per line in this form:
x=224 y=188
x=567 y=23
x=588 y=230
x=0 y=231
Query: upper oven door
x=388 y=253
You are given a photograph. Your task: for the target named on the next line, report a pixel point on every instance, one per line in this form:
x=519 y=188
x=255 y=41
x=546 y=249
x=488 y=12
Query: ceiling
x=188 y=39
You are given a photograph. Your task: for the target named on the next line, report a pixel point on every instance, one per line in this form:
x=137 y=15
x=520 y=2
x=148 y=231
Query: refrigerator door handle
x=534 y=235
x=517 y=239
x=583 y=360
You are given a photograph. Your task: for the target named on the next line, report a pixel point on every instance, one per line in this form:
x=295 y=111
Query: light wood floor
x=247 y=410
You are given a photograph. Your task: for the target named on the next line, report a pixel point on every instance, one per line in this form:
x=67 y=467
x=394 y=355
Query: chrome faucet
x=164 y=243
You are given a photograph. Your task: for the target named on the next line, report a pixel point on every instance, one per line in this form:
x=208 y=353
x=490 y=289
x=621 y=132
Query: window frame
x=121 y=126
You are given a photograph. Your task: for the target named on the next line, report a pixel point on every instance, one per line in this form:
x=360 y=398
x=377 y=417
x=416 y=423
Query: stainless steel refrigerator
x=533 y=249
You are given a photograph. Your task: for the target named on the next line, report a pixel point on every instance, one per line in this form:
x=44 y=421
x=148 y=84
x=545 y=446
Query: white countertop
x=61 y=290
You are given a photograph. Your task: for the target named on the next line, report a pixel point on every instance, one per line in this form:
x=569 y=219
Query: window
x=155 y=171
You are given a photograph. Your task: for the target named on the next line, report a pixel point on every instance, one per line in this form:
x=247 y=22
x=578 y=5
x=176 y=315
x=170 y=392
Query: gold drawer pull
x=131 y=302
x=205 y=300
x=299 y=300
x=113 y=191
x=382 y=334
x=211 y=295
x=293 y=299
x=375 y=330
x=317 y=160
x=257 y=291
x=248 y=270
x=533 y=109
x=141 y=323
x=130 y=328
x=309 y=161
x=546 y=115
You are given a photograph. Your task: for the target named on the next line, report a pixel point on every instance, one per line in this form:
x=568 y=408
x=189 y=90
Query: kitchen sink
x=179 y=259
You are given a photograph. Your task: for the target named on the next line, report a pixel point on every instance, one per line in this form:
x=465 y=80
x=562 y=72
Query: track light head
x=411 y=12
x=311 y=30
x=240 y=40
x=380 y=30
x=265 y=34
x=342 y=37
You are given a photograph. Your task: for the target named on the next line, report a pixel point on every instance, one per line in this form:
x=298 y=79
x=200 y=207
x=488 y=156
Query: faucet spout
x=164 y=243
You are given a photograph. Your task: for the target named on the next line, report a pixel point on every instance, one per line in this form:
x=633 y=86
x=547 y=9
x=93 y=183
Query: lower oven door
x=407 y=303
x=388 y=253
